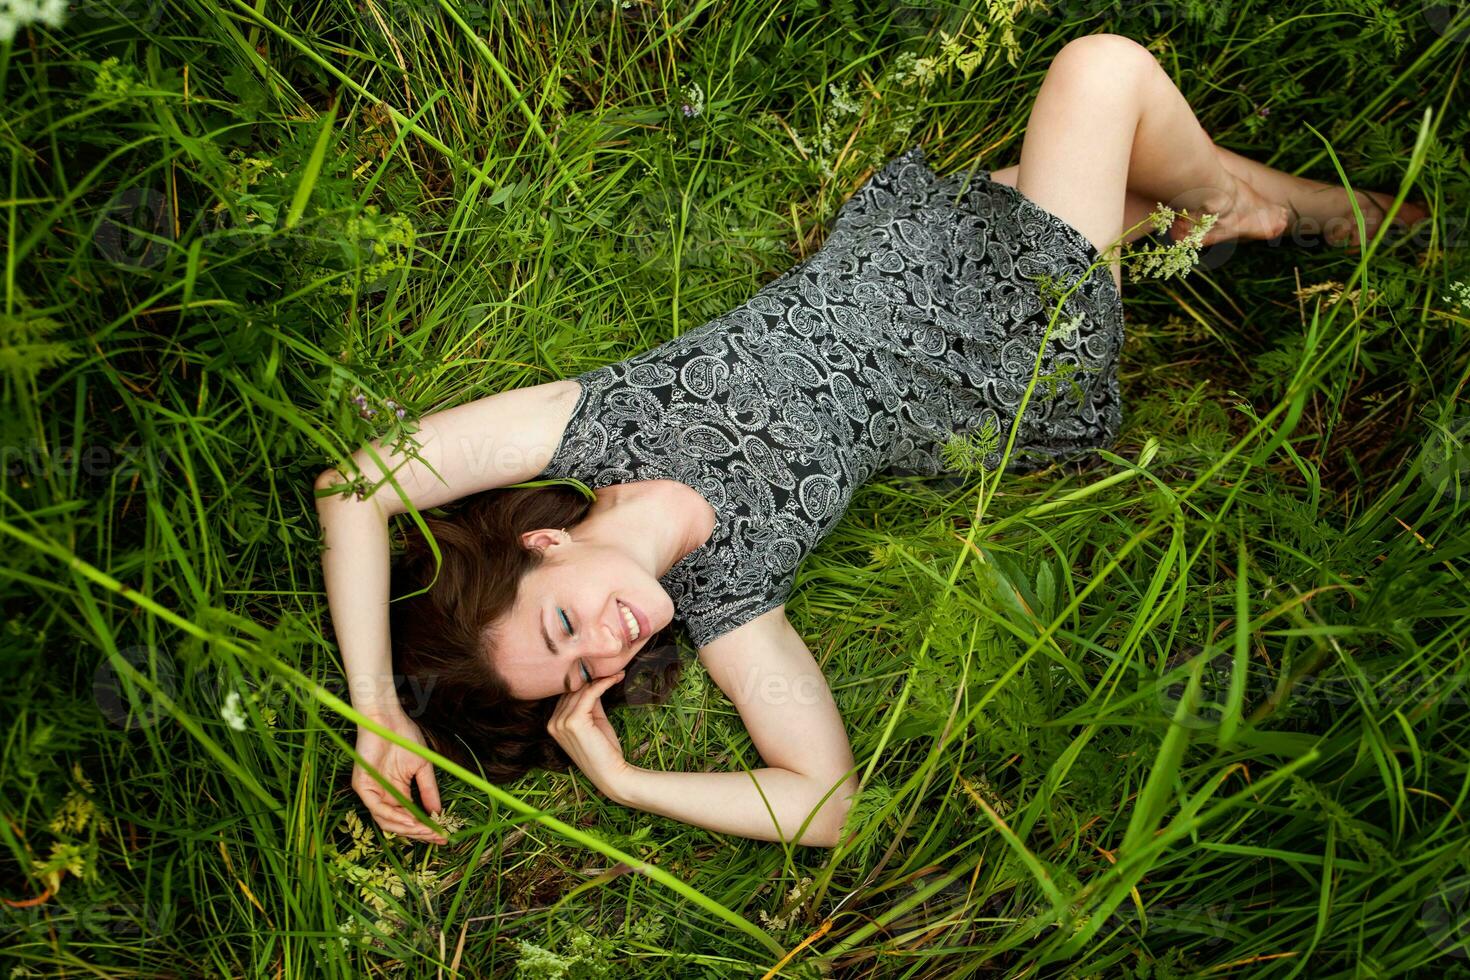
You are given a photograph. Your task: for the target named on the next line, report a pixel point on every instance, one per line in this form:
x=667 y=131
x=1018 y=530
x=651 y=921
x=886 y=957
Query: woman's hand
x=581 y=728
x=400 y=767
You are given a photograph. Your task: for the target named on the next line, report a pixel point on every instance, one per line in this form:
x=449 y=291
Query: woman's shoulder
x=561 y=393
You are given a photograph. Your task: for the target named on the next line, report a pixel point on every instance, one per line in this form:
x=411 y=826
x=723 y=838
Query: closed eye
x=581 y=665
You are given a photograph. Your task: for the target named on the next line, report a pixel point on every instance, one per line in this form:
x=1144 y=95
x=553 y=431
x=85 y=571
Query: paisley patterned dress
x=920 y=317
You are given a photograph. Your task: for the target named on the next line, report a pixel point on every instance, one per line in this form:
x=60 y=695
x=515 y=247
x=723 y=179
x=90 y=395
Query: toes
x=1274 y=221
x=1410 y=214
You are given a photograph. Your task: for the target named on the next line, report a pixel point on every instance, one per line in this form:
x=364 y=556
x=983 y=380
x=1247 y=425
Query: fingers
x=394 y=816
x=578 y=701
x=395 y=819
x=591 y=692
x=429 y=789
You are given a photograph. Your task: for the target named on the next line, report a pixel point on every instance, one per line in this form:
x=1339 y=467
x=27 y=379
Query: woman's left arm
x=730 y=803
x=767 y=672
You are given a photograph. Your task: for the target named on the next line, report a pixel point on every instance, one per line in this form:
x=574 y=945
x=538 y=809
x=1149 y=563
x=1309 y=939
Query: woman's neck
x=658 y=521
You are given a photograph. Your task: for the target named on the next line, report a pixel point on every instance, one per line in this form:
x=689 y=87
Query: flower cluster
x=367 y=411
x=233 y=712
x=18 y=13
x=1177 y=258
x=793 y=904
x=693 y=97
x=1459 y=295
x=378 y=245
x=842 y=104
x=1054 y=293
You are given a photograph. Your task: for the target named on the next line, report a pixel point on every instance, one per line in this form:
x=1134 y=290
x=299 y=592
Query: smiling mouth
x=630 y=623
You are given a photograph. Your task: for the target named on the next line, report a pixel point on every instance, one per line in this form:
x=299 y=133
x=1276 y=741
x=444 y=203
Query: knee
x=1109 y=55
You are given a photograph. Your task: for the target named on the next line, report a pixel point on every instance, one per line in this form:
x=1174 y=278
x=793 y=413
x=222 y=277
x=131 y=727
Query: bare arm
x=730 y=802
x=768 y=673
x=491 y=442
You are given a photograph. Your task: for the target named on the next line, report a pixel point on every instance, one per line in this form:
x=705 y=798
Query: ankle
x=1220 y=198
x=1221 y=201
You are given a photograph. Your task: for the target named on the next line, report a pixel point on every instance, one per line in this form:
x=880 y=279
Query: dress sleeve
x=584 y=441
x=716 y=604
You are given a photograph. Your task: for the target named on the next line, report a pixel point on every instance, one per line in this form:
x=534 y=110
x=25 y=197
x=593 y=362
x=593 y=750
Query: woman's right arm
x=492 y=442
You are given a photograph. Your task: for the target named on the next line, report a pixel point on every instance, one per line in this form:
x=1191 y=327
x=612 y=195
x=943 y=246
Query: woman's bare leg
x=1110 y=134
x=1135 y=206
x=1318 y=208
x=1108 y=121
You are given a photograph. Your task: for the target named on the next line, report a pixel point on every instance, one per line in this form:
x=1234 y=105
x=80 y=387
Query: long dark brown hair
x=442 y=649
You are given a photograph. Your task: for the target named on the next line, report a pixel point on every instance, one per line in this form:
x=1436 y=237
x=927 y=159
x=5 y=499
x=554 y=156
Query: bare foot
x=1243 y=212
x=1342 y=230
x=1318 y=209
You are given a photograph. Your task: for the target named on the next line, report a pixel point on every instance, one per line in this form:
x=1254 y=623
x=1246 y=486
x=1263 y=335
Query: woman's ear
x=544 y=538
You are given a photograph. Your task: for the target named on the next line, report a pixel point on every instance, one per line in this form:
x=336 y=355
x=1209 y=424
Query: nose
x=616 y=640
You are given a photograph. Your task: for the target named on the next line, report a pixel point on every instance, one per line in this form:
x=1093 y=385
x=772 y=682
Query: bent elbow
x=835 y=812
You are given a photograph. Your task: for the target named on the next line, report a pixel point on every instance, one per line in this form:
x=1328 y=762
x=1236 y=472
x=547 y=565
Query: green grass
x=1201 y=712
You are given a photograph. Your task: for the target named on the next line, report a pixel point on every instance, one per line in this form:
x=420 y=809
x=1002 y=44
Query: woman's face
x=573 y=601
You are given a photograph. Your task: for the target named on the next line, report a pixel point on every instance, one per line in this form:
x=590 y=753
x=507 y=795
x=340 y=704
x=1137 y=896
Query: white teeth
x=631 y=620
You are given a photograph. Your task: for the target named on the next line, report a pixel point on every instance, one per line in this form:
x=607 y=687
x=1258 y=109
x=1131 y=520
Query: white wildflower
x=1459 y=295
x=1067 y=326
x=842 y=102
x=793 y=903
x=693 y=97
x=903 y=68
x=233 y=713
x=15 y=14
x=1174 y=259
x=1163 y=218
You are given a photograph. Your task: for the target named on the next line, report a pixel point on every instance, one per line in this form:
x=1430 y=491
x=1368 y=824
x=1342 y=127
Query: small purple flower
x=688 y=109
x=1263 y=111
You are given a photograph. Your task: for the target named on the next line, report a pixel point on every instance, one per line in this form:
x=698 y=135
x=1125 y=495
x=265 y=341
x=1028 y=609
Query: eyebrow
x=566 y=684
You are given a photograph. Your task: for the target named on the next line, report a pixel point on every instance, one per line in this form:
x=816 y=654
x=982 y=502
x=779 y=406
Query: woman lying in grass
x=722 y=457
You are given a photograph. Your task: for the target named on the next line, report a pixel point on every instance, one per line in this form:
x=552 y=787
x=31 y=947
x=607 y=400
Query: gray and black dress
x=919 y=317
